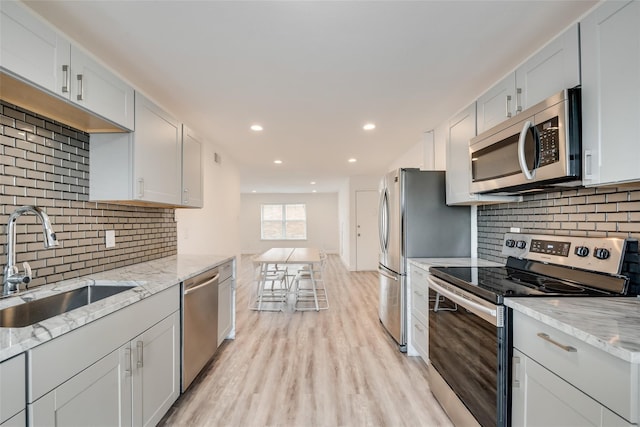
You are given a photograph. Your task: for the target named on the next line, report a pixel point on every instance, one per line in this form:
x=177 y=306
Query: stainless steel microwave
x=535 y=150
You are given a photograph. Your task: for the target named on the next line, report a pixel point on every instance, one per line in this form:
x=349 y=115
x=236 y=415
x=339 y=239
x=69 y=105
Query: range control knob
x=601 y=253
x=521 y=244
x=510 y=243
x=582 y=251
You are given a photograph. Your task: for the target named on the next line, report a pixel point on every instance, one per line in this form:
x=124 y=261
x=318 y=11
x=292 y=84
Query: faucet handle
x=27 y=273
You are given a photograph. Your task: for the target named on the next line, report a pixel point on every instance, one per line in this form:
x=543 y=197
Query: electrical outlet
x=110 y=238
x=514 y=230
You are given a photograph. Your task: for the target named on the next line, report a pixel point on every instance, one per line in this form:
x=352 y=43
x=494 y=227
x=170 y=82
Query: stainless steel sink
x=37 y=310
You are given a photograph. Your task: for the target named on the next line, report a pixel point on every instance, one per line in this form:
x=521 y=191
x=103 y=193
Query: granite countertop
x=452 y=262
x=610 y=324
x=150 y=277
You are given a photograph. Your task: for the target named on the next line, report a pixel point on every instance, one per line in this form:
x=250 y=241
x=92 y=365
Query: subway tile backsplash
x=604 y=211
x=46 y=164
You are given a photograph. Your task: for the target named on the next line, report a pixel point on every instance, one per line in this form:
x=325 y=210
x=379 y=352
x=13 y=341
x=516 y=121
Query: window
x=284 y=222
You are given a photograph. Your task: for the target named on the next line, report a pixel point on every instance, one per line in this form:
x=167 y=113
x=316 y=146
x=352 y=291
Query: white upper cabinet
x=35 y=52
x=462 y=127
x=610 y=37
x=141 y=167
x=191 y=169
x=99 y=90
x=553 y=68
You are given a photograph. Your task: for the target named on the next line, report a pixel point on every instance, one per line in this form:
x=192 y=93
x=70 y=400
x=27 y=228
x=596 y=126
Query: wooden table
x=287 y=256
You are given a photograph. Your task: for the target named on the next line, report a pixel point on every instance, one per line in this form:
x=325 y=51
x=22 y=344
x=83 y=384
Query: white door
x=366 y=230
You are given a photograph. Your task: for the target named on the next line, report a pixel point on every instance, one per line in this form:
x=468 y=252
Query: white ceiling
x=311 y=72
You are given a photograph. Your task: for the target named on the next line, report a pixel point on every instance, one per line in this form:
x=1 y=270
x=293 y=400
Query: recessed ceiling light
x=369 y=126
x=253 y=191
x=256 y=128
x=352 y=160
x=277 y=162
x=312 y=183
x=313 y=191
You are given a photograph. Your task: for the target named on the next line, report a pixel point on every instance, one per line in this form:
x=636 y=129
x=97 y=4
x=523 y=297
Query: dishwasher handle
x=202 y=285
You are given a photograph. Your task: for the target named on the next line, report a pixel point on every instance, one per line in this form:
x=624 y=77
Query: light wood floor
x=330 y=368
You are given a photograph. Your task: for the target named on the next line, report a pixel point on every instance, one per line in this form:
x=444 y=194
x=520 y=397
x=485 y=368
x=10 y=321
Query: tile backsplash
x=604 y=211
x=46 y=164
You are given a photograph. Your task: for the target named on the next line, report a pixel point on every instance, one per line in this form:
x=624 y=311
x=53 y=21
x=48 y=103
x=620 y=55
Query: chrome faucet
x=12 y=276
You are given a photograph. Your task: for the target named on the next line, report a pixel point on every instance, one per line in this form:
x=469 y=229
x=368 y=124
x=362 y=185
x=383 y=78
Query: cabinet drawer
x=419 y=294
x=420 y=336
x=607 y=379
x=12 y=387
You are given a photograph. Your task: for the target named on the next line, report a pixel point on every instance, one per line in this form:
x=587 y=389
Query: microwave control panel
x=549 y=136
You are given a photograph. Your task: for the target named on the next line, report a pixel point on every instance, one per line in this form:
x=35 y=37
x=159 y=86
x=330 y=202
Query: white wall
x=322 y=221
x=214 y=229
x=413 y=158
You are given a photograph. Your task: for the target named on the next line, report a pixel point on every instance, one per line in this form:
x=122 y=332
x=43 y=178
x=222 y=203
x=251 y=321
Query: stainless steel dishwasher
x=199 y=323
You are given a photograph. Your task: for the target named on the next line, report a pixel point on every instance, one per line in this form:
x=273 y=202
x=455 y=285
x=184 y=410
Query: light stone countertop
x=151 y=277
x=610 y=324
x=452 y=262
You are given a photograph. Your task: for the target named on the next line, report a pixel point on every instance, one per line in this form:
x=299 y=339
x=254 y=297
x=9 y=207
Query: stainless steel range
x=469 y=327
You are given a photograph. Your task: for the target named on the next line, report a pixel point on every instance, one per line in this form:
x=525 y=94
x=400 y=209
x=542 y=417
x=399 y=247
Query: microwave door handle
x=521 y=154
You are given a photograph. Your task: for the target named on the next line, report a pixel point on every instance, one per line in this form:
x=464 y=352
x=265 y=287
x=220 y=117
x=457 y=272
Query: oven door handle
x=492 y=315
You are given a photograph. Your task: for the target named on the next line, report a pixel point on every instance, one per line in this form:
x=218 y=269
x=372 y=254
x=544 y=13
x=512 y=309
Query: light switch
x=110 y=238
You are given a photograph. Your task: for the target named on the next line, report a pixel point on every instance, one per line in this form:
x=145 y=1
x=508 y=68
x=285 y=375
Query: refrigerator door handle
x=383 y=220
x=383 y=271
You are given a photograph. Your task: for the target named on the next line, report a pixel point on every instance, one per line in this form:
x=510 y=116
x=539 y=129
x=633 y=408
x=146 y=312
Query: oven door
x=468 y=352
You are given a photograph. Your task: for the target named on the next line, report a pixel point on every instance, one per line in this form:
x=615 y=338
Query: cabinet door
x=191 y=169
x=461 y=129
x=100 y=91
x=99 y=395
x=12 y=387
x=33 y=50
x=554 y=68
x=156 y=363
x=157 y=154
x=540 y=398
x=225 y=309
x=610 y=38
x=497 y=104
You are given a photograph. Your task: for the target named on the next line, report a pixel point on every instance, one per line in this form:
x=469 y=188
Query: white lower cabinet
x=226 y=302
x=419 y=318
x=155 y=367
x=558 y=380
x=12 y=389
x=121 y=370
x=99 y=395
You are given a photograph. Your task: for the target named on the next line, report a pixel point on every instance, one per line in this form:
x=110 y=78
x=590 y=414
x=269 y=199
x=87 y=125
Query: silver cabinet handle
x=516 y=371
x=518 y=100
x=140 y=188
x=80 y=96
x=127 y=361
x=547 y=338
x=65 y=78
x=418 y=327
x=186 y=195
x=140 y=349
x=418 y=293
x=508 y=106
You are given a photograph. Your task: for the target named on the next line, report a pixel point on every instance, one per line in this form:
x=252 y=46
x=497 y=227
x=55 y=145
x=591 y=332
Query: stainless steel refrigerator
x=414 y=222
